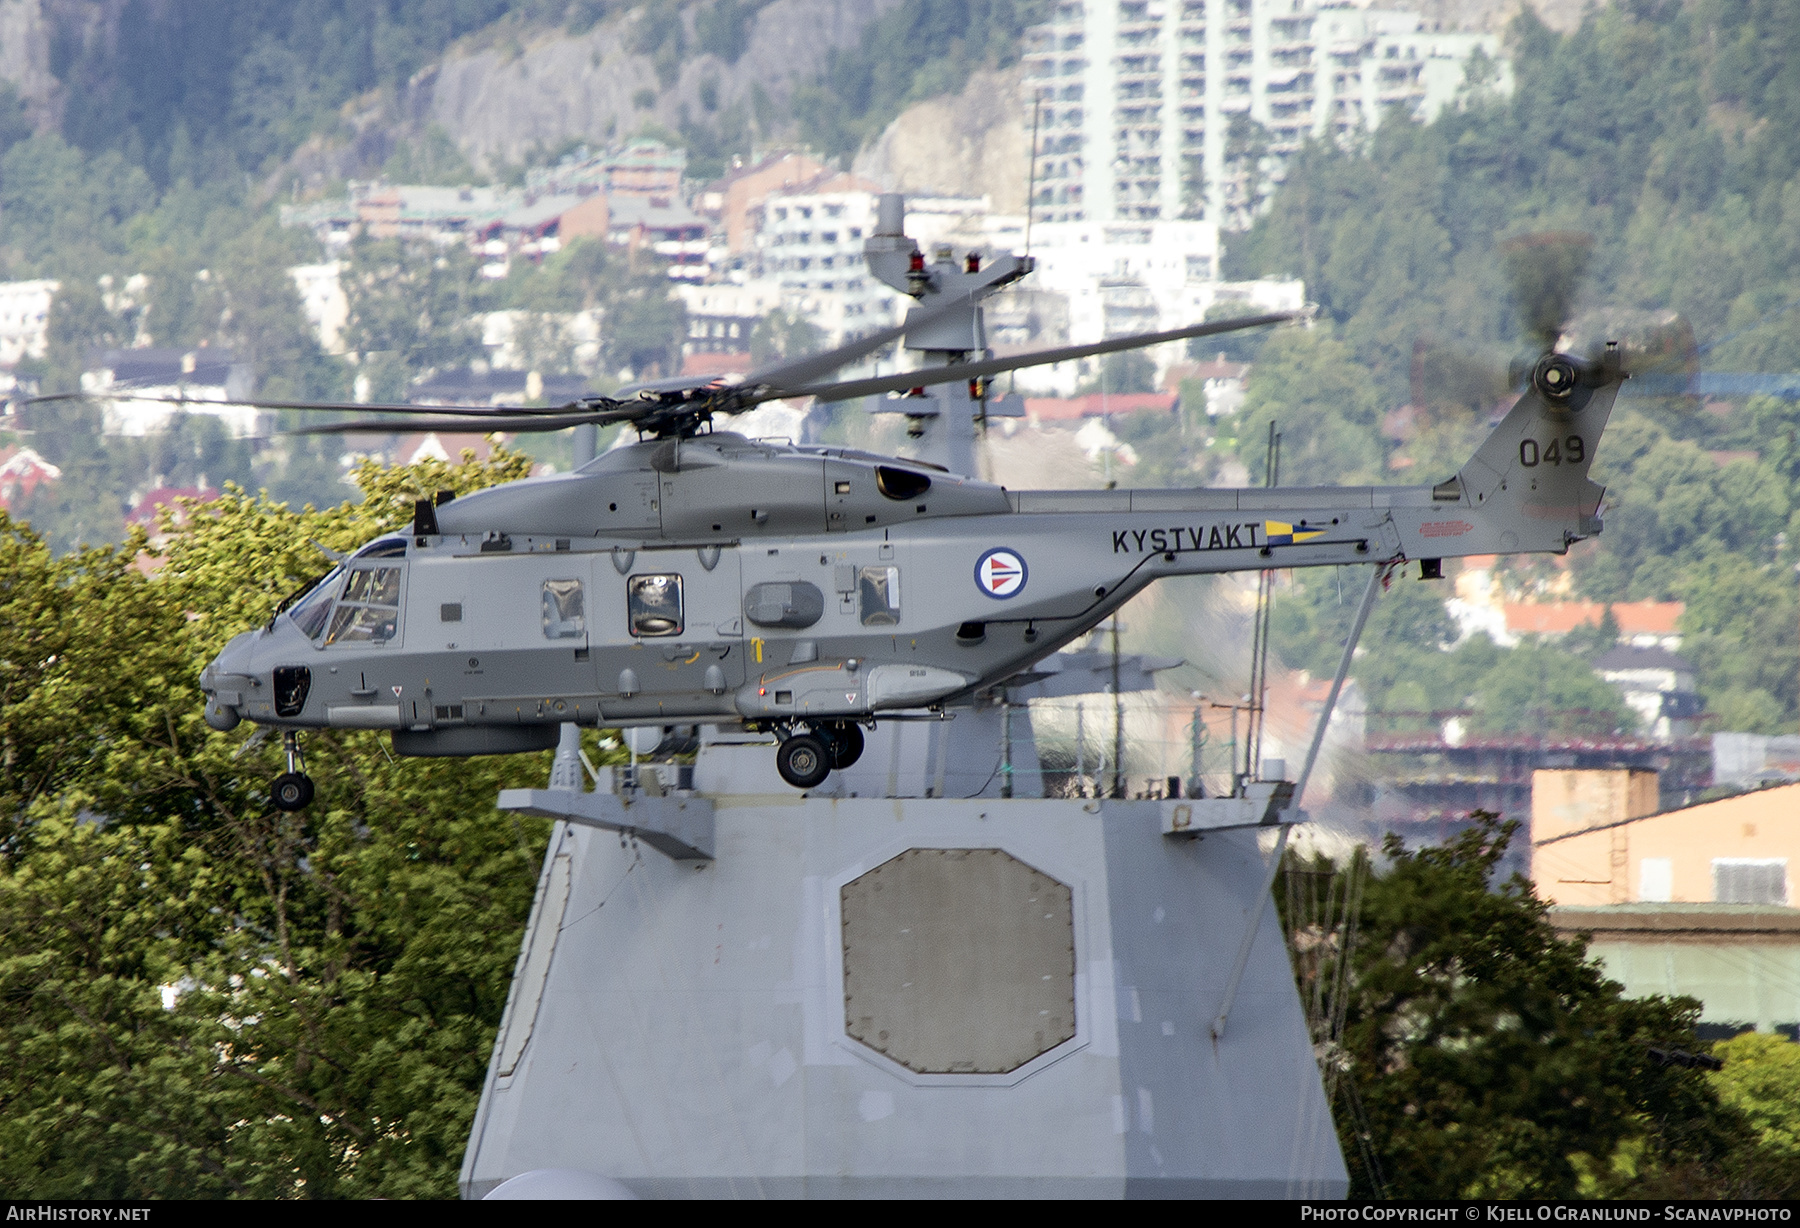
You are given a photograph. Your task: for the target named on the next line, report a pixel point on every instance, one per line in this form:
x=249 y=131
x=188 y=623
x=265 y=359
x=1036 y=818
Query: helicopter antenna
x=1259 y=650
x=1037 y=103
x=1118 y=774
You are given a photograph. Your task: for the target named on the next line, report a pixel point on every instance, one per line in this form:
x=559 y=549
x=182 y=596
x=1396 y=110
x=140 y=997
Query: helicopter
x=700 y=576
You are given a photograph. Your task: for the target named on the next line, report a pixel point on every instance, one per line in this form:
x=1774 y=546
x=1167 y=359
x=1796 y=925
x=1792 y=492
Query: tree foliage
x=200 y=996
x=1482 y=1056
x=1663 y=130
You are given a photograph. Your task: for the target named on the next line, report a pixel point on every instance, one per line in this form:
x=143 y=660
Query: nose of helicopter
x=224 y=681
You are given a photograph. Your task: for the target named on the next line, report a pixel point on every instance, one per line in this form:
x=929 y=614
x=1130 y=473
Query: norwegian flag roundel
x=1000 y=573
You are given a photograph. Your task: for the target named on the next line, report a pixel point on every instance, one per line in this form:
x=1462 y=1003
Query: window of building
x=654 y=605
x=564 y=613
x=880 y=592
x=1656 y=880
x=1749 y=880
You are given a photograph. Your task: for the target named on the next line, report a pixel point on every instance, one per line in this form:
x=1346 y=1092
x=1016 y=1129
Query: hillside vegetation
x=1671 y=134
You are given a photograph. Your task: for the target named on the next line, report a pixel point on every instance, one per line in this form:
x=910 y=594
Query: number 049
x=1555 y=452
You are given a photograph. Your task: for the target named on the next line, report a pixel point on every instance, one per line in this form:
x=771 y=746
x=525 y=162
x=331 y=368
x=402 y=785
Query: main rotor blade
x=510 y=423
x=378 y=407
x=994 y=366
x=789 y=372
x=1545 y=272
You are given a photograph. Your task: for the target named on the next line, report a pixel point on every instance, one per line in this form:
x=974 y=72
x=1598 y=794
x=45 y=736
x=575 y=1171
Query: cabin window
x=880 y=592
x=654 y=605
x=368 y=611
x=564 y=614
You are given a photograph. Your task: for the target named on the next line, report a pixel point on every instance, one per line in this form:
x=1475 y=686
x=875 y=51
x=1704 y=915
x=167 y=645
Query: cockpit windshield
x=359 y=601
x=310 y=612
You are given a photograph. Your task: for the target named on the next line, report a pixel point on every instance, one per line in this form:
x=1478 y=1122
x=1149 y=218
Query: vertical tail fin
x=1532 y=471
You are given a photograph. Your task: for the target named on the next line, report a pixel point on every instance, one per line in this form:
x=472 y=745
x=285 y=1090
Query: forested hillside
x=1671 y=134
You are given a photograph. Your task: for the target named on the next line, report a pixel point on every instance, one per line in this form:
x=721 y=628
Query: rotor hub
x=1555 y=378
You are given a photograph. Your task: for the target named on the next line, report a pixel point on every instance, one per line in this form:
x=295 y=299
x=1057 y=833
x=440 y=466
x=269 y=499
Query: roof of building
x=1627 y=657
x=144 y=510
x=1691 y=919
x=647 y=151
x=748 y=169
x=164 y=365
x=536 y=211
x=26 y=461
x=1097 y=405
x=653 y=212
x=827 y=183
x=464 y=385
x=1559 y=617
x=1772 y=802
x=717 y=364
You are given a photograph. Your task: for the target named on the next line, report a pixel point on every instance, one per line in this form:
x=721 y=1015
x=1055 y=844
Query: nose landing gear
x=806 y=759
x=293 y=789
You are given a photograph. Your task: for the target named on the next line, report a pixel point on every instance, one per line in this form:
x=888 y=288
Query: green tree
x=200 y=996
x=411 y=311
x=1539 y=688
x=1761 y=1080
x=1483 y=1056
x=1310 y=386
x=1738 y=628
x=1126 y=372
x=782 y=334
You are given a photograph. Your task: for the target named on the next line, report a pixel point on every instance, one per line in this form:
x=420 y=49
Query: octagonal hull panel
x=682 y=1028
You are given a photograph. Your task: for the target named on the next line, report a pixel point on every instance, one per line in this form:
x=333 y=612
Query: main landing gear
x=805 y=759
x=293 y=789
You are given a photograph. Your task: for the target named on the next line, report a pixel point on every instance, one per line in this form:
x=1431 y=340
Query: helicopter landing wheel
x=844 y=742
x=291 y=791
x=803 y=760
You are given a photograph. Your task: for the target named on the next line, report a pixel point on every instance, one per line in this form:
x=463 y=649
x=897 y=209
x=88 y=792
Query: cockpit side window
x=368 y=612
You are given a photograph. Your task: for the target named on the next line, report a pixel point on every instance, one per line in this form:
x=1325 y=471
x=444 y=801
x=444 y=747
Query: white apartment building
x=323 y=302
x=722 y=315
x=25 y=319
x=1141 y=103
x=1144 y=277
x=810 y=243
x=167 y=382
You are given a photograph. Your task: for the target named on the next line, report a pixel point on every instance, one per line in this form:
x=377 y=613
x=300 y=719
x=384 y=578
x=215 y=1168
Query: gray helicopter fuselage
x=717 y=578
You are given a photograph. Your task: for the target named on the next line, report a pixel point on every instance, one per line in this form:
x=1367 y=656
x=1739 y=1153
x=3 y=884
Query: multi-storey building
x=810 y=241
x=1164 y=109
x=25 y=319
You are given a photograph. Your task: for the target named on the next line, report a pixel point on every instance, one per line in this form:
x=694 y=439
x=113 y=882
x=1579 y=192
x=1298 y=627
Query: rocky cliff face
x=29 y=30
x=501 y=102
x=976 y=143
x=25 y=50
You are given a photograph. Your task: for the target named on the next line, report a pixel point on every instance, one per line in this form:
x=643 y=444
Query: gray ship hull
x=758 y=1024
